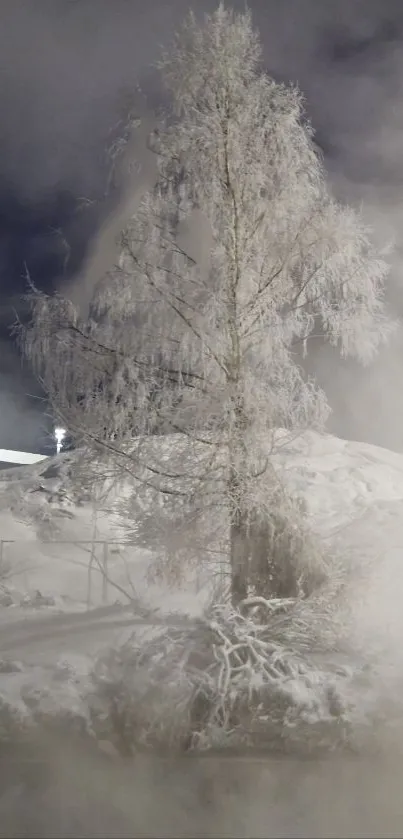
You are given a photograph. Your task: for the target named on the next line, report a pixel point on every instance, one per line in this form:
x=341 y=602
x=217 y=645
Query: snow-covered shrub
x=14 y=721
x=286 y=558
x=6 y=598
x=277 y=675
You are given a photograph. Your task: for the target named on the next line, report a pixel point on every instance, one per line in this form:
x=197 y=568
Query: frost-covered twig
x=232 y=679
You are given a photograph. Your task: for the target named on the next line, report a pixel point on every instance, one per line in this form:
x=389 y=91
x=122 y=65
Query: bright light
x=60 y=434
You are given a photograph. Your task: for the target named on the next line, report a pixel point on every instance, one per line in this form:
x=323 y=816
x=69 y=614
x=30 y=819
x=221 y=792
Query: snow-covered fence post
x=89 y=581
x=4 y=572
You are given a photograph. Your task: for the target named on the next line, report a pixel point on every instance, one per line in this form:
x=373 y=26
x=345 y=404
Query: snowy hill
x=339 y=479
x=354 y=497
x=353 y=494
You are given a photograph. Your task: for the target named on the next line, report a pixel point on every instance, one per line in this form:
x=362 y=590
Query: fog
x=23 y=420
x=70 y=68
x=70 y=794
x=68 y=71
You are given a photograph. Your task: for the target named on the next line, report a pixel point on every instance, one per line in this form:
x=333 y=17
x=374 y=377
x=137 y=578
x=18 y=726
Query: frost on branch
x=208 y=352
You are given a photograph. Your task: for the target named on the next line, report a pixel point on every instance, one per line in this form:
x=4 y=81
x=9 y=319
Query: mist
x=74 y=795
x=71 y=68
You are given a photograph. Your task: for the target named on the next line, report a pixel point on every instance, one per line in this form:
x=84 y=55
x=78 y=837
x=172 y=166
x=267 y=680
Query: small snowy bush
x=267 y=677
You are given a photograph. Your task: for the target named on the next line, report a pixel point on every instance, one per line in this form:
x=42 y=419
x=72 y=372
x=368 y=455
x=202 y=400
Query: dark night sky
x=66 y=66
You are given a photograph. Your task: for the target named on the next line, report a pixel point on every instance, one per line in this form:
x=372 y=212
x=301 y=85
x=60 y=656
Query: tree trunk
x=239 y=554
x=239 y=518
x=239 y=544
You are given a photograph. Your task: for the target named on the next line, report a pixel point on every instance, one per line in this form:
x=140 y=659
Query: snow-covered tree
x=210 y=354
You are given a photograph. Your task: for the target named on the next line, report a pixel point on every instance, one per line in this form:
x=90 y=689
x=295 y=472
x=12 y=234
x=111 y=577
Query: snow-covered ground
x=353 y=494
x=56 y=541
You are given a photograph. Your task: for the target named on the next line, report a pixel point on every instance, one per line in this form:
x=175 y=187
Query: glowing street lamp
x=60 y=434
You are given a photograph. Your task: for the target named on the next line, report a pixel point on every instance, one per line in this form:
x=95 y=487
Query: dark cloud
x=68 y=68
